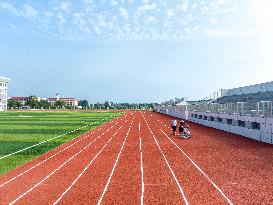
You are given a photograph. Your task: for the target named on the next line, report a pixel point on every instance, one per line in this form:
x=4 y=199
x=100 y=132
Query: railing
x=263 y=108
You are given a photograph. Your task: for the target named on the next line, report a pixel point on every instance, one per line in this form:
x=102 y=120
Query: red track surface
x=134 y=160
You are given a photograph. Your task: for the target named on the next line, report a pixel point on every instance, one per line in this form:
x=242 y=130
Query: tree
x=13 y=104
x=106 y=105
x=33 y=102
x=84 y=103
x=44 y=104
x=98 y=105
x=60 y=104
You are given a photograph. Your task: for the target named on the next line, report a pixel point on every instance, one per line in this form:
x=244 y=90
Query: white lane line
x=176 y=180
x=219 y=190
x=60 y=198
x=112 y=172
x=35 y=145
x=141 y=169
x=74 y=182
x=22 y=195
x=40 y=163
x=118 y=130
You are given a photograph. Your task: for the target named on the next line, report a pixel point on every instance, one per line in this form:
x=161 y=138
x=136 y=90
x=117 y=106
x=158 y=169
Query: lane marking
x=74 y=182
x=22 y=195
x=112 y=172
x=40 y=163
x=141 y=169
x=176 y=180
x=219 y=190
x=35 y=145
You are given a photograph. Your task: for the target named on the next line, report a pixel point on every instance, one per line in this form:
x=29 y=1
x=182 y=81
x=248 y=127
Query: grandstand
x=245 y=111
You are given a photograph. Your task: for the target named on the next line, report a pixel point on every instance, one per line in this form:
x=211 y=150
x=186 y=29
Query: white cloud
x=213 y=21
x=102 y=21
x=169 y=13
x=113 y=2
x=64 y=6
x=151 y=19
x=30 y=12
x=184 y=6
x=9 y=7
x=61 y=19
x=123 y=13
x=122 y=19
x=147 y=7
x=96 y=29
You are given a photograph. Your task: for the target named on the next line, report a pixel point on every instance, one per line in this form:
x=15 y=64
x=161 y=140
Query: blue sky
x=134 y=51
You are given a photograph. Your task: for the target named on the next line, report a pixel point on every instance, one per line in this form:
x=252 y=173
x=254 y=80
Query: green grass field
x=19 y=130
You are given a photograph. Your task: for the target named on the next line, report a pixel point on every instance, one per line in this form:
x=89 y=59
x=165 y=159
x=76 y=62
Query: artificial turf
x=19 y=130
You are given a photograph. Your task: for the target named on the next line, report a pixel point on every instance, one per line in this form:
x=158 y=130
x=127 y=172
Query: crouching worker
x=184 y=130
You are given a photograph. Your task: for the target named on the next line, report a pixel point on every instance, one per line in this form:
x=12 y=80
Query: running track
x=133 y=159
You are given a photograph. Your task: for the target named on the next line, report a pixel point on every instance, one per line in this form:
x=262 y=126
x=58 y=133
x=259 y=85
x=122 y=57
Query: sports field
x=134 y=159
x=26 y=135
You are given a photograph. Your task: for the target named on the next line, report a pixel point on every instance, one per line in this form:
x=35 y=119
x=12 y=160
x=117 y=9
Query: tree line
x=33 y=103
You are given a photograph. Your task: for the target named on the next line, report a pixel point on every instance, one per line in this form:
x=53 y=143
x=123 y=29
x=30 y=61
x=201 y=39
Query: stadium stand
x=246 y=111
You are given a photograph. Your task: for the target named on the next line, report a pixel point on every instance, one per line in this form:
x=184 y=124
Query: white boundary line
x=22 y=195
x=176 y=180
x=35 y=145
x=38 y=164
x=112 y=172
x=141 y=169
x=74 y=182
x=219 y=190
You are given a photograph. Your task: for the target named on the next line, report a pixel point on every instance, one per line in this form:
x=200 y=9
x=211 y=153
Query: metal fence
x=262 y=108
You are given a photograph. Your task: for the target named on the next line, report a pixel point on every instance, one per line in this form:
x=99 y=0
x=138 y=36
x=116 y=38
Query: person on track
x=183 y=125
x=181 y=128
x=174 y=124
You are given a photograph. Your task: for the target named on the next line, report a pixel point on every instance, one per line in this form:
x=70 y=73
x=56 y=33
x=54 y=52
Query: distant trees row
x=112 y=105
x=33 y=103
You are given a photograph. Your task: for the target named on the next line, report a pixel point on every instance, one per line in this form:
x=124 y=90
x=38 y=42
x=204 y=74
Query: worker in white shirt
x=174 y=124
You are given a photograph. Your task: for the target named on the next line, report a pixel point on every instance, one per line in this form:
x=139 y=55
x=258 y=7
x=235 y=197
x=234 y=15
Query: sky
x=134 y=51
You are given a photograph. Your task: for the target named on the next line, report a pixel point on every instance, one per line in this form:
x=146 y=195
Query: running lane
x=19 y=186
x=241 y=167
x=197 y=187
x=160 y=183
x=88 y=187
x=123 y=185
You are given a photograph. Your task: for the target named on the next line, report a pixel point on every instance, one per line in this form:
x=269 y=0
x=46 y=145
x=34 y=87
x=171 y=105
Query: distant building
x=22 y=100
x=3 y=93
x=71 y=102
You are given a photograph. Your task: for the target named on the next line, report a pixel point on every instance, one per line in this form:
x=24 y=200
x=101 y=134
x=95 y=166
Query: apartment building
x=3 y=93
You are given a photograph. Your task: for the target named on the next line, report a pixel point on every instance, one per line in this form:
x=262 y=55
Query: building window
x=229 y=121
x=255 y=125
x=241 y=123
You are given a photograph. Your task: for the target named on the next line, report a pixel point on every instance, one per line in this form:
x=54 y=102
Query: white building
x=3 y=93
x=71 y=102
